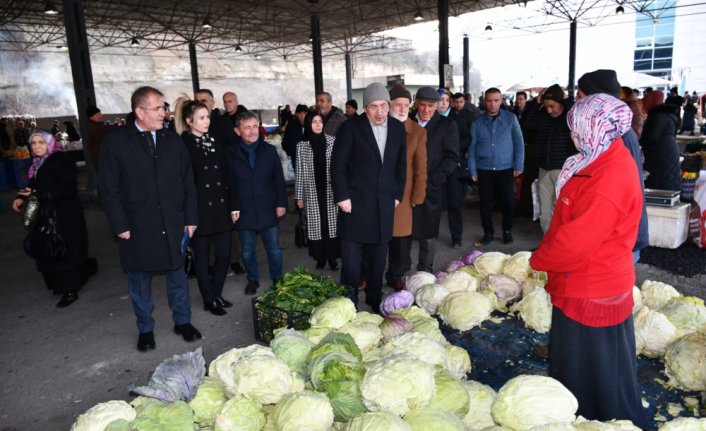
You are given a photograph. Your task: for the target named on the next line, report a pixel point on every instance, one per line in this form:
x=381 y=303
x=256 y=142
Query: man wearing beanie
x=368 y=171
x=95 y=130
x=442 y=160
x=595 y=82
x=496 y=156
x=547 y=116
x=399 y=260
x=294 y=133
x=351 y=108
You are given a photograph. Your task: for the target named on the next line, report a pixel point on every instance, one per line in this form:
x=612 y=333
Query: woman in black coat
x=659 y=144
x=52 y=178
x=217 y=205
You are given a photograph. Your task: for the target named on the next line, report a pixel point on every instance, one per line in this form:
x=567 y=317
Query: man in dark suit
x=149 y=197
x=220 y=128
x=368 y=172
x=442 y=160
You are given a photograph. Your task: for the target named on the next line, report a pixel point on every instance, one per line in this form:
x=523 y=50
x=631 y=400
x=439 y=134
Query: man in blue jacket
x=495 y=157
x=259 y=185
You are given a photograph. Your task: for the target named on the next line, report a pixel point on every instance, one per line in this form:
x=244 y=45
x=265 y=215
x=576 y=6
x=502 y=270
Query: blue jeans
x=248 y=245
x=140 y=288
x=635 y=256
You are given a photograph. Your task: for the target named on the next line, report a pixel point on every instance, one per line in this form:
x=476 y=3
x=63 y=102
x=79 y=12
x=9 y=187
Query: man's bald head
x=230 y=102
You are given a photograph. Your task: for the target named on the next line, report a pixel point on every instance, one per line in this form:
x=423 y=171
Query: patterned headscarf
x=52 y=147
x=595 y=122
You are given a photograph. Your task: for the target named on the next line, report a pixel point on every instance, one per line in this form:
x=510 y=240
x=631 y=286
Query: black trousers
x=599 y=366
x=352 y=254
x=492 y=184
x=64 y=281
x=399 y=260
x=211 y=285
x=453 y=202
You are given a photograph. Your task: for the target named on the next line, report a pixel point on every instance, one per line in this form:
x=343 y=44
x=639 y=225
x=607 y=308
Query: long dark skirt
x=326 y=248
x=599 y=366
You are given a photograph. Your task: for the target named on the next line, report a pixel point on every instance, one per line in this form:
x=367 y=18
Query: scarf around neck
x=52 y=147
x=250 y=151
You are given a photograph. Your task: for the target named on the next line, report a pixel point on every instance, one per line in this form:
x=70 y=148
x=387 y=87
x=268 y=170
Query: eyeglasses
x=157 y=109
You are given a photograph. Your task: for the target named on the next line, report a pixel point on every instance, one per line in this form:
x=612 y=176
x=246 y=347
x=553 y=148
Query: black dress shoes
x=237 y=268
x=333 y=265
x=251 y=287
x=223 y=303
x=67 y=299
x=507 y=237
x=188 y=332
x=215 y=308
x=146 y=342
x=487 y=239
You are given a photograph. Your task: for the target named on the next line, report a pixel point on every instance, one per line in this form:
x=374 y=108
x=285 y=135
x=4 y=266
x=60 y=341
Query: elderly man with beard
x=399 y=260
x=368 y=174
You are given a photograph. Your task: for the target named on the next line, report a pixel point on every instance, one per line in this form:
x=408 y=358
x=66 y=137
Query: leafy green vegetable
x=157 y=416
x=336 y=342
x=300 y=290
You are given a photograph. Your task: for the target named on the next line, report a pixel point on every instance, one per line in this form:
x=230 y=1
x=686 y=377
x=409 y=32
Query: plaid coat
x=305 y=189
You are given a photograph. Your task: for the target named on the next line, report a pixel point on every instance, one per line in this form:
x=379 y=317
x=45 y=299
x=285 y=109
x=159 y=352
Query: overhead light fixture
x=238 y=48
x=62 y=48
x=284 y=57
x=488 y=28
x=134 y=42
x=258 y=56
x=311 y=37
x=620 y=10
x=418 y=16
x=206 y=24
x=49 y=8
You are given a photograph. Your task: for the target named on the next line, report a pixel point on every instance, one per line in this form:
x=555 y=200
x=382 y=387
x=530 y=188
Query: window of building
x=655 y=39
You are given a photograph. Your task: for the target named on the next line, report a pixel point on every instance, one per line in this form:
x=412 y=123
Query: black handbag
x=463 y=174
x=45 y=241
x=300 y=238
x=30 y=212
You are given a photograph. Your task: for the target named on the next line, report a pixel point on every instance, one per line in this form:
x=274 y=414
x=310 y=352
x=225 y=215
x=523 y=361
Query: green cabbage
x=335 y=342
x=240 y=414
x=158 y=416
x=364 y=316
x=263 y=379
x=316 y=333
x=555 y=426
x=100 y=415
x=118 y=425
x=428 y=326
x=480 y=401
x=398 y=383
x=365 y=334
x=615 y=425
x=458 y=362
x=491 y=262
x=526 y=401
x=464 y=310
x=636 y=299
x=292 y=347
x=429 y=419
x=656 y=294
x=517 y=266
x=653 y=332
x=209 y=399
x=333 y=366
x=535 y=310
x=687 y=313
x=412 y=312
x=684 y=362
x=333 y=313
x=418 y=345
x=450 y=396
x=459 y=282
x=303 y=411
x=684 y=424
x=345 y=399
x=377 y=421
x=222 y=367
x=430 y=296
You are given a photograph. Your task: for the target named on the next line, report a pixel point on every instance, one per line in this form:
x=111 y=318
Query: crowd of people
x=367 y=186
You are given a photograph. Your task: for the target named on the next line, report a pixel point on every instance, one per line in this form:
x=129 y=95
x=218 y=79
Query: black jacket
x=152 y=195
x=371 y=182
x=293 y=134
x=659 y=145
x=554 y=144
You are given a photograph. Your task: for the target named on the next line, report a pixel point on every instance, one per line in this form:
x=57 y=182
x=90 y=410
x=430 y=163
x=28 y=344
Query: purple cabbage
x=505 y=288
x=440 y=275
x=394 y=326
x=393 y=301
x=455 y=265
x=471 y=257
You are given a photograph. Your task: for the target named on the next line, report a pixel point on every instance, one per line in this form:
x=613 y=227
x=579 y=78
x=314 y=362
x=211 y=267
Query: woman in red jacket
x=587 y=254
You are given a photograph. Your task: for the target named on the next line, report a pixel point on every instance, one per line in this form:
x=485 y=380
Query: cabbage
x=656 y=294
x=335 y=366
x=158 y=416
x=459 y=282
x=118 y=425
x=684 y=362
x=418 y=345
x=555 y=426
x=239 y=414
x=526 y=401
x=292 y=347
x=415 y=280
x=491 y=262
x=263 y=379
x=471 y=257
x=636 y=299
x=303 y=411
x=316 y=333
x=333 y=313
x=469 y=269
x=100 y=415
x=454 y=266
x=222 y=369
x=377 y=421
x=430 y=296
x=464 y=310
x=450 y=396
x=397 y=384
x=345 y=399
x=458 y=362
x=428 y=326
x=336 y=342
x=366 y=335
x=615 y=425
x=394 y=325
x=209 y=399
x=480 y=399
x=412 y=312
x=653 y=332
x=506 y=289
x=535 y=309
x=395 y=300
x=175 y=378
x=687 y=313
x=364 y=316
x=517 y=266
x=430 y=419
x=684 y=424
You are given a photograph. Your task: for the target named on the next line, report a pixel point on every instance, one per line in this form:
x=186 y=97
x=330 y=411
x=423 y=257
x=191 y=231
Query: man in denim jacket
x=495 y=157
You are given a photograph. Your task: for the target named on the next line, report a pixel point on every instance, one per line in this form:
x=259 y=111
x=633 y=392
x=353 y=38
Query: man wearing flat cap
x=442 y=159
x=547 y=116
x=368 y=171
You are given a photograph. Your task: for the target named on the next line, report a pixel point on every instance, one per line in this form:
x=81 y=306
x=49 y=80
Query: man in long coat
x=442 y=159
x=368 y=170
x=149 y=197
x=415 y=187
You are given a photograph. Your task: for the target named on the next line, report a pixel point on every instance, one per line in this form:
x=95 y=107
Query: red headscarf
x=652 y=100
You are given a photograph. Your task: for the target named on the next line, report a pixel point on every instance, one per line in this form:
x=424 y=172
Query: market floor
x=57 y=363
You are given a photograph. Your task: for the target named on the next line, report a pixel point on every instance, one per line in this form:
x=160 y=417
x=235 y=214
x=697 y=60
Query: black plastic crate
x=267 y=318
